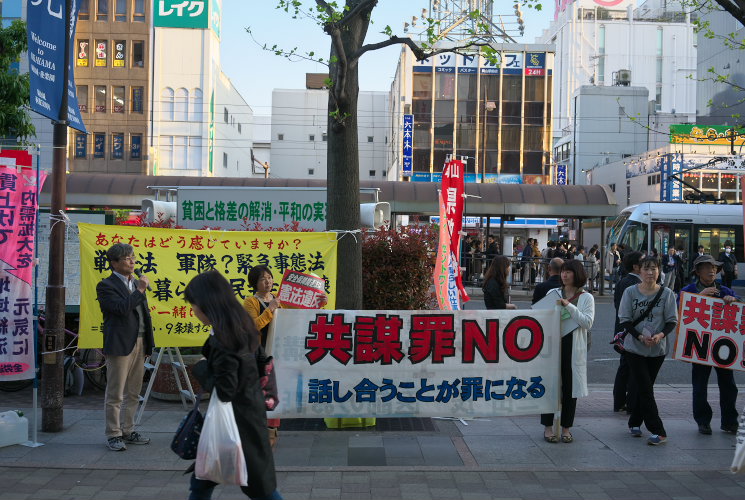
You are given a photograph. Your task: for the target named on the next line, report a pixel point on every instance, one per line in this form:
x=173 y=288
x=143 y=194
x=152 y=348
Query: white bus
x=683 y=225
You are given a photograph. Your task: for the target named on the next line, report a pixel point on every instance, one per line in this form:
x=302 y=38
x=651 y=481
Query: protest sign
x=416 y=363
x=710 y=332
x=170 y=258
x=300 y=291
x=19 y=203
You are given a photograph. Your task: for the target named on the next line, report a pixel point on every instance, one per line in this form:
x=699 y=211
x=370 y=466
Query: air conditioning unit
x=623 y=77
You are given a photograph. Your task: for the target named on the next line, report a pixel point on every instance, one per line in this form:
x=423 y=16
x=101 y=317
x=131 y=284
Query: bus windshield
x=634 y=236
x=614 y=233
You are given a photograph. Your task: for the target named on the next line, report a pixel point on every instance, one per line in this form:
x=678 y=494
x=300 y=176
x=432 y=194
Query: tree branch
x=419 y=53
x=366 y=4
x=736 y=8
x=342 y=65
x=329 y=10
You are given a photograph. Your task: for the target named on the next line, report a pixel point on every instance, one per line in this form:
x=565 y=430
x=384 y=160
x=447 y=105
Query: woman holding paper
x=577 y=316
x=229 y=367
x=496 y=288
x=648 y=314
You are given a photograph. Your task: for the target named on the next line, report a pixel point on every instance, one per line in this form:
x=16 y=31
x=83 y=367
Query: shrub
x=397 y=267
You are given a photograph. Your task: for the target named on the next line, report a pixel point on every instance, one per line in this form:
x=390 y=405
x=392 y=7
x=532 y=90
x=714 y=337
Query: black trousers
x=727 y=279
x=624 y=394
x=727 y=394
x=643 y=371
x=568 y=403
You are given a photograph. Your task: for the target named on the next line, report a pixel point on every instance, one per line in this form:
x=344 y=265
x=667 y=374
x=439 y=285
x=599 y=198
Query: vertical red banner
x=453 y=190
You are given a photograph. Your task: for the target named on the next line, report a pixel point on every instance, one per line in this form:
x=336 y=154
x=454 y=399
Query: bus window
x=683 y=241
x=713 y=239
x=614 y=232
x=661 y=238
x=635 y=236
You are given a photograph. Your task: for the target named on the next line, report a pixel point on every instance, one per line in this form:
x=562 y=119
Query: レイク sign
x=182 y=14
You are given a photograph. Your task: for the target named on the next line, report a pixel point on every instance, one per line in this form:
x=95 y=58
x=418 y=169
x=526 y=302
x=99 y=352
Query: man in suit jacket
x=553 y=281
x=127 y=340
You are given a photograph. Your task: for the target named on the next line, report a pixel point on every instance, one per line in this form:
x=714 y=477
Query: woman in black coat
x=229 y=366
x=496 y=288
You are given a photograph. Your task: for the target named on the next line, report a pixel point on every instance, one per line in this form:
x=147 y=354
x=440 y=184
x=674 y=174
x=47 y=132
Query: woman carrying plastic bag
x=229 y=370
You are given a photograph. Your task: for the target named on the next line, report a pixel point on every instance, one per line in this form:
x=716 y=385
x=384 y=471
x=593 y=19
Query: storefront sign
x=179 y=14
x=408 y=146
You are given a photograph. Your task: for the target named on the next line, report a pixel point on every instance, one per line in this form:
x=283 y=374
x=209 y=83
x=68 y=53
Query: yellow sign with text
x=170 y=258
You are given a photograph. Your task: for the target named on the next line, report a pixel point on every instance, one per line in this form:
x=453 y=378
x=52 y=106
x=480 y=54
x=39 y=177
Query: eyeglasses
x=130 y=258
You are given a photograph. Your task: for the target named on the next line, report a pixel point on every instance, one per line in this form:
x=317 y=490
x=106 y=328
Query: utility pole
x=54 y=323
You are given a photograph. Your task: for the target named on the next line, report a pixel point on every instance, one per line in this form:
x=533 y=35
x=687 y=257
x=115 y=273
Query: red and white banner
x=711 y=332
x=415 y=363
x=452 y=201
x=301 y=291
x=19 y=203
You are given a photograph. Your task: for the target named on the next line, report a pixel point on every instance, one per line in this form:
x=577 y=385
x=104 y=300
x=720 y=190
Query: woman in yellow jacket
x=261 y=307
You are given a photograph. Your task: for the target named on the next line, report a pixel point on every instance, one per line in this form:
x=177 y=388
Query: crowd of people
x=646 y=298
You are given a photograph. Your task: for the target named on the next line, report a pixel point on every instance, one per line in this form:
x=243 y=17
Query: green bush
x=397 y=268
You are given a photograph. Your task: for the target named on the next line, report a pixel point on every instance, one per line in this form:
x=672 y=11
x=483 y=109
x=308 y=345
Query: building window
x=82 y=93
x=239 y=128
x=99 y=150
x=138 y=96
x=180 y=152
x=135 y=148
x=180 y=106
x=102 y=10
x=369 y=138
x=225 y=160
x=612 y=187
x=138 y=14
x=601 y=55
x=166 y=97
x=84 y=13
x=101 y=53
x=117 y=99
x=311 y=171
x=138 y=54
x=81 y=57
x=372 y=173
x=280 y=137
x=120 y=54
x=324 y=137
x=311 y=138
x=120 y=14
x=658 y=99
x=81 y=145
x=195 y=153
x=226 y=116
x=196 y=105
x=117 y=146
x=165 y=151
x=100 y=91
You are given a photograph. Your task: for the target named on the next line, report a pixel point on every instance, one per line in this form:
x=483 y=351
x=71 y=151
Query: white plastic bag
x=738 y=462
x=219 y=454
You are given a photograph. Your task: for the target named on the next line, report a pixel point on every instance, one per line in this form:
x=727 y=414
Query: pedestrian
x=491 y=249
x=612 y=262
x=229 y=366
x=670 y=265
x=496 y=288
x=592 y=259
x=729 y=264
x=127 y=340
x=624 y=395
x=526 y=261
x=553 y=281
x=577 y=306
x=465 y=261
x=705 y=269
x=646 y=344
x=680 y=253
x=260 y=308
x=546 y=255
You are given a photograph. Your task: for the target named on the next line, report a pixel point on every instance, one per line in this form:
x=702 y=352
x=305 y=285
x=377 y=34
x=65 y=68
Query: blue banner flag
x=46 y=45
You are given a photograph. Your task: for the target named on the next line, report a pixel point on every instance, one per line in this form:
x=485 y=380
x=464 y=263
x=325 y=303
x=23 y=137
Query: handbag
x=267 y=379
x=220 y=455
x=186 y=440
x=619 y=337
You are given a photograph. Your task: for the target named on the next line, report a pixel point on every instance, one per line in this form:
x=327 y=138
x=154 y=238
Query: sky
x=255 y=72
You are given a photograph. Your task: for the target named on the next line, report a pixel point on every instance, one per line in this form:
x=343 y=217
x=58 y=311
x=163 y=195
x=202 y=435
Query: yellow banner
x=170 y=258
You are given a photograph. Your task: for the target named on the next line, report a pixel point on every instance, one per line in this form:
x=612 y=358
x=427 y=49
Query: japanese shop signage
x=468 y=63
x=445 y=63
x=512 y=63
x=423 y=66
x=19 y=202
x=120 y=51
x=710 y=332
x=416 y=363
x=709 y=135
x=242 y=208
x=447 y=267
x=101 y=52
x=408 y=146
x=82 y=53
x=181 y=14
x=561 y=174
x=47 y=39
x=170 y=258
x=535 y=64
x=300 y=290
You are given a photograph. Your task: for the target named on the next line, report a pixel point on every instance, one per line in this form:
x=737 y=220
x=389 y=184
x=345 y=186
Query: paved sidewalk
x=480 y=458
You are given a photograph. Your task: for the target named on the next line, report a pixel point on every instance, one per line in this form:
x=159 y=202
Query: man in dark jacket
x=553 y=281
x=706 y=269
x=729 y=264
x=127 y=340
x=623 y=394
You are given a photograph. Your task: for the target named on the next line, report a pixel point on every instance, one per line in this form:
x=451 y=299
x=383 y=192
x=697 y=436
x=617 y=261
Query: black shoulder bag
x=186 y=440
x=619 y=337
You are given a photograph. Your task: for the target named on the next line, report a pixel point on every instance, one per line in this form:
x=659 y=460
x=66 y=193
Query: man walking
x=127 y=340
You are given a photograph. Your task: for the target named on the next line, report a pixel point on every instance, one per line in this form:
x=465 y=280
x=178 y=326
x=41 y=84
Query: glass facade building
x=496 y=117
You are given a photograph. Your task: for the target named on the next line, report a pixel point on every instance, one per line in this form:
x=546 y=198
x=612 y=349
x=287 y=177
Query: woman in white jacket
x=578 y=307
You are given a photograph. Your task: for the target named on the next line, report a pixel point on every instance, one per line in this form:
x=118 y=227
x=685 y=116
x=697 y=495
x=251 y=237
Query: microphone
x=139 y=275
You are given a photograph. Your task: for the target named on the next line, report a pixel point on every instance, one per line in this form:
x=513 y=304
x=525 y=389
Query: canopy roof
x=412 y=198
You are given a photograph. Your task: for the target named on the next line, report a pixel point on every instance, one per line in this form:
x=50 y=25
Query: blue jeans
x=201 y=489
x=727 y=394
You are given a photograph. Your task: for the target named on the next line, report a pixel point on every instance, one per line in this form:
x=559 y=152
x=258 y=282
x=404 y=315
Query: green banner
x=703 y=134
x=194 y=14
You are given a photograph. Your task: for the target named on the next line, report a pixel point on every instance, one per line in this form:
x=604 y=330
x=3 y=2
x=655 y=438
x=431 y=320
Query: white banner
x=415 y=363
x=710 y=332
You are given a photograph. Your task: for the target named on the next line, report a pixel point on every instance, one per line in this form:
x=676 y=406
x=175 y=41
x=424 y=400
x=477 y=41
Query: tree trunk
x=343 y=172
